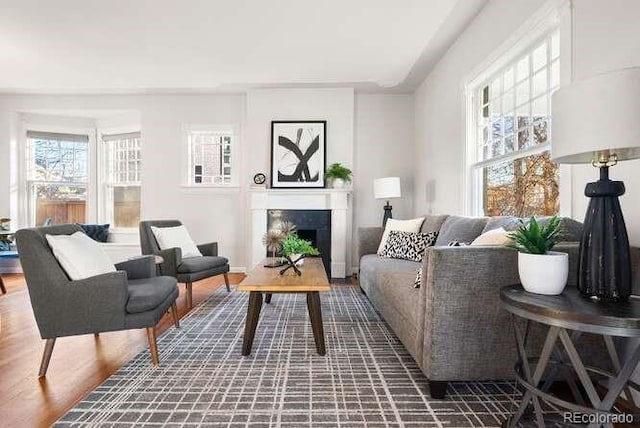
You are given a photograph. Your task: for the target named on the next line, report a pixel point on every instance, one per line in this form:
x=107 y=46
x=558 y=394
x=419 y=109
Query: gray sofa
x=453 y=325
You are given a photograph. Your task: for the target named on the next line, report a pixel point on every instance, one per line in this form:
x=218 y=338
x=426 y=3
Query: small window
x=210 y=157
x=57 y=177
x=122 y=186
x=511 y=170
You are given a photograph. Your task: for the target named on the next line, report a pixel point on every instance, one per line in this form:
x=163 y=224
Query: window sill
x=232 y=189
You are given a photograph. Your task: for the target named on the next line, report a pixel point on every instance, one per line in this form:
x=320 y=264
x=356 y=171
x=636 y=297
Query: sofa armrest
x=138 y=268
x=171 y=259
x=209 y=249
x=466 y=330
x=368 y=240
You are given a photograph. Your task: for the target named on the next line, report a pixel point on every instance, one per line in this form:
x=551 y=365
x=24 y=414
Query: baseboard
x=238 y=269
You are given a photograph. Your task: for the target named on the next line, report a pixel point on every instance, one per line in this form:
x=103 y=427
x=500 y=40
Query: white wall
x=384 y=127
x=384 y=147
x=439 y=106
x=210 y=214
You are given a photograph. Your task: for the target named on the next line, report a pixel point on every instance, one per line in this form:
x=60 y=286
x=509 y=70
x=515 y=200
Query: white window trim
x=235 y=153
x=554 y=14
x=102 y=176
x=24 y=212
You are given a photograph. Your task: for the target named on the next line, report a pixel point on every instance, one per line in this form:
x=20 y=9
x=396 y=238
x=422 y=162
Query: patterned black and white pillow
x=407 y=245
x=418 y=282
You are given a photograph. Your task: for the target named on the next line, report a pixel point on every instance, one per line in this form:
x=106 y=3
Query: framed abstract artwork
x=298 y=151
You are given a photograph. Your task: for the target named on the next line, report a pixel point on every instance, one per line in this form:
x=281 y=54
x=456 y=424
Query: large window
x=511 y=170
x=57 y=171
x=122 y=184
x=210 y=155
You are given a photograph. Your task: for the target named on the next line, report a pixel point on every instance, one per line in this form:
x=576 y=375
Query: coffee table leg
x=253 y=313
x=315 y=313
x=267 y=297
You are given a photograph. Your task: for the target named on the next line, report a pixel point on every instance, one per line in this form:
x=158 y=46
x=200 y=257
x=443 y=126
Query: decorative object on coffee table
x=338 y=175
x=386 y=188
x=567 y=317
x=294 y=250
x=259 y=280
x=595 y=121
x=541 y=270
x=272 y=239
x=298 y=154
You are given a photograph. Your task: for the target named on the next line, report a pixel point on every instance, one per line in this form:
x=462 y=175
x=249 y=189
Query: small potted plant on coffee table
x=294 y=250
x=338 y=175
x=541 y=270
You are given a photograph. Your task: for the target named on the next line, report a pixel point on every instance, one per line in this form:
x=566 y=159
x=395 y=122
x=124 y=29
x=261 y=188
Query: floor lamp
x=386 y=188
x=597 y=121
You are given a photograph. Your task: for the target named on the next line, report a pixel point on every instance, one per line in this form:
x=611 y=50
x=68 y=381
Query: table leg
x=315 y=314
x=267 y=297
x=253 y=313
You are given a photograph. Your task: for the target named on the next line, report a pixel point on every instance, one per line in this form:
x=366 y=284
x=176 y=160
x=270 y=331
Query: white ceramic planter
x=543 y=273
x=337 y=183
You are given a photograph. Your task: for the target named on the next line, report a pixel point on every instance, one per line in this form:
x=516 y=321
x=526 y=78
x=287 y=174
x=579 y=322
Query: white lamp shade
x=385 y=188
x=595 y=115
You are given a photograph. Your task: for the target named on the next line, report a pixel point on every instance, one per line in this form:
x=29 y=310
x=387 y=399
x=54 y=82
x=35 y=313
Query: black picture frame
x=295 y=164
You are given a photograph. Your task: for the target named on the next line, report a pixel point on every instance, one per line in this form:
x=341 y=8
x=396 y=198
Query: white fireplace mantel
x=336 y=200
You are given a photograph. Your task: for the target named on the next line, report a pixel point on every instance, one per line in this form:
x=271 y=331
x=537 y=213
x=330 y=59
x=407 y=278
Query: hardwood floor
x=78 y=364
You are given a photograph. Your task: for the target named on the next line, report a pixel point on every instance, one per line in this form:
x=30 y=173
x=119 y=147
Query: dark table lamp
x=386 y=188
x=597 y=121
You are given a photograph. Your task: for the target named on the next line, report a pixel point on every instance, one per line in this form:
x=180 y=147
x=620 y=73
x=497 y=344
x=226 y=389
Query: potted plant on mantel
x=541 y=270
x=338 y=175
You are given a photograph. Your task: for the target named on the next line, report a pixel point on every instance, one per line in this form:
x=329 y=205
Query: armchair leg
x=226 y=281
x=153 y=346
x=96 y=334
x=46 y=357
x=174 y=314
x=2 y=287
x=189 y=286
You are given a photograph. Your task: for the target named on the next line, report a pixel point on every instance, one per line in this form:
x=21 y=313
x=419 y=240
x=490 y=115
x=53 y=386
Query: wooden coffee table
x=268 y=281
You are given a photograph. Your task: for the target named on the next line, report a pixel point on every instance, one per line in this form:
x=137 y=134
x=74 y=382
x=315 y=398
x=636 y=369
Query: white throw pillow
x=80 y=256
x=178 y=236
x=411 y=226
x=497 y=236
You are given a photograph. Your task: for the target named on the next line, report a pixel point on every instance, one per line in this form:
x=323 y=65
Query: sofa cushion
x=460 y=229
x=432 y=223
x=408 y=246
x=507 y=222
x=412 y=226
x=198 y=264
x=146 y=294
x=497 y=236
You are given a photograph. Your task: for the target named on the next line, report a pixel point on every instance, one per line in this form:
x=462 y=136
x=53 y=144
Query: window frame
x=555 y=16
x=104 y=212
x=187 y=174
x=25 y=208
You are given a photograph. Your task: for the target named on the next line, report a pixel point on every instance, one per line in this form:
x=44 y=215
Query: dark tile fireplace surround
x=312 y=225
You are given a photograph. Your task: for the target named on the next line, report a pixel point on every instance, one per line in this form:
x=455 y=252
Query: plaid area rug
x=367 y=378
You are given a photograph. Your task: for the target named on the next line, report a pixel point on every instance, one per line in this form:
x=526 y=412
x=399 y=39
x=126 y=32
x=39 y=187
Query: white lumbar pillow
x=411 y=226
x=497 y=236
x=80 y=256
x=178 y=236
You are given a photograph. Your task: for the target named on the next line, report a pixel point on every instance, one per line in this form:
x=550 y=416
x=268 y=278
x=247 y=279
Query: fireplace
x=336 y=201
x=312 y=225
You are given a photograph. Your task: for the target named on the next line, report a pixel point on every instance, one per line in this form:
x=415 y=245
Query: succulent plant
x=535 y=239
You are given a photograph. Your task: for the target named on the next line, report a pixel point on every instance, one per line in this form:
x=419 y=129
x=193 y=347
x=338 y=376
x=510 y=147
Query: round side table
x=568 y=316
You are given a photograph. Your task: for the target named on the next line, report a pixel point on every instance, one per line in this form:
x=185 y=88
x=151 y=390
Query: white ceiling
x=96 y=46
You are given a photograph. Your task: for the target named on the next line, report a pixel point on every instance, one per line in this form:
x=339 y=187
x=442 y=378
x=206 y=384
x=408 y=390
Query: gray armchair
x=132 y=297
x=185 y=270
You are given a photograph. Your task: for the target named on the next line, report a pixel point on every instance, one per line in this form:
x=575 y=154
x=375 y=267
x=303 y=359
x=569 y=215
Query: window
x=122 y=184
x=210 y=156
x=57 y=171
x=510 y=141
